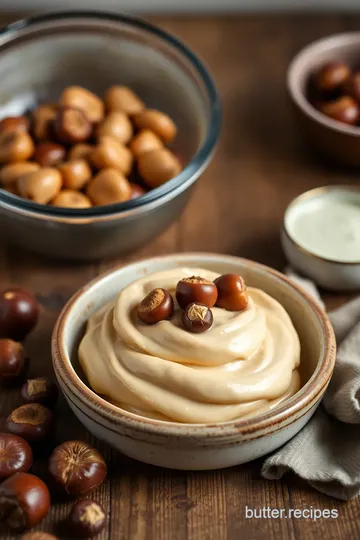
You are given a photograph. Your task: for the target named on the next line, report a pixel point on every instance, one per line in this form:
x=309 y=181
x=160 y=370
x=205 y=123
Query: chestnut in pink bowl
x=195 y=446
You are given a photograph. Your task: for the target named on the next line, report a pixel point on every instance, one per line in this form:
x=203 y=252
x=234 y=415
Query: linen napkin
x=326 y=452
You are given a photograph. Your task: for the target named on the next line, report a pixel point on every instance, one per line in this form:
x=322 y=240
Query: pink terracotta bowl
x=195 y=446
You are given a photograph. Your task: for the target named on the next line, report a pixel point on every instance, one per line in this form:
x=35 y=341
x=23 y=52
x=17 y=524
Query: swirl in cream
x=245 y=364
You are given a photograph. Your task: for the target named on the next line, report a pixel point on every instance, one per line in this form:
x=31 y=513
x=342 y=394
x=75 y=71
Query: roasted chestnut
x=12 y=359
x=77 y=468
x=157 y=306
x=232 y=292
x=196 y=289
x=40 y=390
x=197 y=318
x=87 y=518
x=344 y=109
x=331 y=76
x=24 y=501
x=15 y=455
x=19 y=313
x=32 y=421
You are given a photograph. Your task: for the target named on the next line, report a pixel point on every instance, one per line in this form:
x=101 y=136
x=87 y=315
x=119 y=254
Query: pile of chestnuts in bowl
x=87 y=151
x=334 y=90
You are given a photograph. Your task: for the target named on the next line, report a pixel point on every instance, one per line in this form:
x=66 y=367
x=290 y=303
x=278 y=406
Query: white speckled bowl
x=195 y=446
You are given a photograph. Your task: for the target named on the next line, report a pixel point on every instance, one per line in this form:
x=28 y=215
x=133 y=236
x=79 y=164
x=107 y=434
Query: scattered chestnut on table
x=331 y=76
x=196 y=289
x=344 y=109
x=32 y=421
x=40 y=390
x=12 y=359
x=19 y=313
x=157 y=306
x=232 y=293
x=77 y=468
x=15 y=455
x=87 y=518
x=24 y=501
x=197 y=318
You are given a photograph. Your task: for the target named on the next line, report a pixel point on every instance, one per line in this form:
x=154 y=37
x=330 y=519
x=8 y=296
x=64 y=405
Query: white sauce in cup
x=327 y=225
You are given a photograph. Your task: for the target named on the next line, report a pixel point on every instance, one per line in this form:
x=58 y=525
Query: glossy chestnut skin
x=197 y=318
x=77 y=468
x=15 y=123
x=196 y=289
x=232 y=293
x=344 y=109
x=38 y=535
x=19 y=313
x=72 y=126
x=87 y=518
x=40 y=390
x=15 y=455
x=352 y=86
x=12 y=359
x=24 y=501
x=157 y=306
x=331 y=76
x=32 y=421
x=49 y=154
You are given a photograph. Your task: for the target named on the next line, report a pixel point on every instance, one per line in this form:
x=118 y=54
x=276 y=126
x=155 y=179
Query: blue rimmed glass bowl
x=42 y=55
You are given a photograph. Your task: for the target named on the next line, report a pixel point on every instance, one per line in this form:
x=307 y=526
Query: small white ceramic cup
x=334 y=275
x=195 y=446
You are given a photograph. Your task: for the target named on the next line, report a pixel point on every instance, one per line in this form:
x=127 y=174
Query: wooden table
x=237 y=208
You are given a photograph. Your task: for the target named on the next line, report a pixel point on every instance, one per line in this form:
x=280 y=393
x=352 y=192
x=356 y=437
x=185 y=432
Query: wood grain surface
x=237 y=208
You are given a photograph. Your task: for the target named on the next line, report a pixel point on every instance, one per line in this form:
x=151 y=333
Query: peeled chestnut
x=42 y=121
x=19 y=313
x=32 y=421
x=87 y=518
x=15 y=455
x=49 y=154
x=15 y=146
x=15 y=123
x=344 y=109
x=117 y=125
x=75 y=173
x=332 y=76
x=72 y=126
x=24 y=501
x=40 y=390
x=70 y=198
x=232 y=292
x=158 y=166
x=197 y=318
x=158 y=122
x=196 y=289
x=81 y=98
x=110 y=153
x=40 y=186
x=77 y=468
x=109 y=186
x=122 y=98
x=12 y=359
x=145 y=141
x=157 y=306
x=39 y=535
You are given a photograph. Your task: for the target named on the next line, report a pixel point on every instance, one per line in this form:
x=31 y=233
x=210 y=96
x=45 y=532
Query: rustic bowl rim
x=296 y=406
x=298 y=66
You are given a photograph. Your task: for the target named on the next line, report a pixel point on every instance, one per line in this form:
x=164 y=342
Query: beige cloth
x=326 y=452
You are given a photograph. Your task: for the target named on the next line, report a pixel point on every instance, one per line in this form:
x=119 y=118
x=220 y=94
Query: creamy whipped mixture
x=328 y=226
x=245 y=364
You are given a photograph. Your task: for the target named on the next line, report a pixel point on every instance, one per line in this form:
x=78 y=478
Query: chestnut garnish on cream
x=196 y=289
x=197 y=318
x=157 y=306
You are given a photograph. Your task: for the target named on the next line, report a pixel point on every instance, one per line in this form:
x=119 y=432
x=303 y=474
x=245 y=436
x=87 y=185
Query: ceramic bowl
x=338 y=141
x=330 y=274
x=195 y=446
